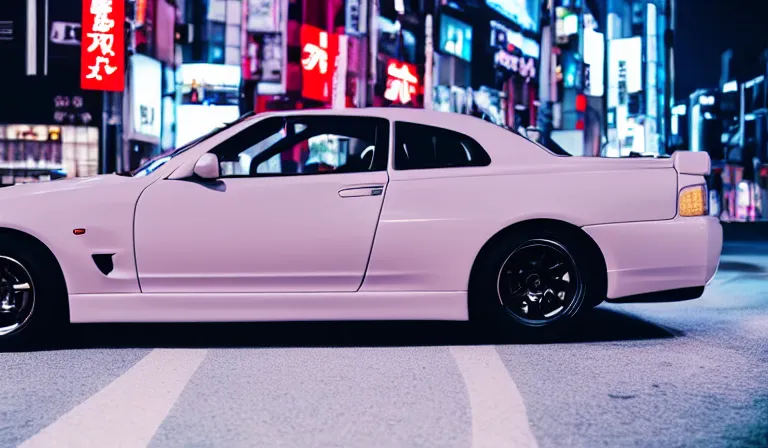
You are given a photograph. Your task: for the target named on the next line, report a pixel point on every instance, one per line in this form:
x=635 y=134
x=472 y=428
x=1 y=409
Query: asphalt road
x=676 y=374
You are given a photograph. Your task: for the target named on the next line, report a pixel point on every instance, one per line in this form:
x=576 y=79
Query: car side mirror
x=207 y=167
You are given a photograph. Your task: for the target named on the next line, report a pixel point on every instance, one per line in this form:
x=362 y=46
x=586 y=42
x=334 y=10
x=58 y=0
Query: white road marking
x=128 y=411
x=499 y=418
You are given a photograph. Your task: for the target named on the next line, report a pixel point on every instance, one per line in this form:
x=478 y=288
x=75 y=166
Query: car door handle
x=356 y=192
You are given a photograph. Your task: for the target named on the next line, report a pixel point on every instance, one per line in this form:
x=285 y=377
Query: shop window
x=306 y=145
x=232 y=55
x=234 y=12
x=217 y=31
x=233 y=36
x=217 y=10
x=419 y=147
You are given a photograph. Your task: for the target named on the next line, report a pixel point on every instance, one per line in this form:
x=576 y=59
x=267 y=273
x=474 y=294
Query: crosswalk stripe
x=499 y=418
x=128 y=411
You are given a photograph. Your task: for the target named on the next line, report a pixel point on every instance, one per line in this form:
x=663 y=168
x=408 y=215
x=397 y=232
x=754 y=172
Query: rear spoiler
x=695 y=163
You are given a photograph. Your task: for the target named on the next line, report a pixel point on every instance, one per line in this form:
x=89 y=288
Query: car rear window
x=419 y=147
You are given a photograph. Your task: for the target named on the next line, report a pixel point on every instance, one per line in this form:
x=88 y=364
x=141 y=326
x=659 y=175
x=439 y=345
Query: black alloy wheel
x=33 y=294
x=17 y=296
x=539 y=283
x=533 y=284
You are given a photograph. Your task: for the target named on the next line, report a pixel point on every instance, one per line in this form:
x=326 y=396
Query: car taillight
x=694 y=201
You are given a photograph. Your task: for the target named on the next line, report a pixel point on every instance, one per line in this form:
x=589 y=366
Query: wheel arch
x=557 y=226
x=34 y=241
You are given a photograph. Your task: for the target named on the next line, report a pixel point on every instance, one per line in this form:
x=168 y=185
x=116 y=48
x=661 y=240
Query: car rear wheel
x=32 y=294
x=533 y=285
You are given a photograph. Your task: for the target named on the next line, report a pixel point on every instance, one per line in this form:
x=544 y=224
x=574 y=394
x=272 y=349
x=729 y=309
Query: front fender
x=103 y=205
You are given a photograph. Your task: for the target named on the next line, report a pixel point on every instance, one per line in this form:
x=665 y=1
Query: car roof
x=465 y=123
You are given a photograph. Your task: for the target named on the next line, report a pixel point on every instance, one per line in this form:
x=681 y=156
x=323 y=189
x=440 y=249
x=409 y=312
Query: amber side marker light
x=694 y=201
x=79 y=231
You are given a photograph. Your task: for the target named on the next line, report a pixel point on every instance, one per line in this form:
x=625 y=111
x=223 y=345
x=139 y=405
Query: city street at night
x=689 y=373
x=384 y=223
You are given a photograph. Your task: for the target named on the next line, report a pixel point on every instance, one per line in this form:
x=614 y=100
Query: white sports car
x=359 y=214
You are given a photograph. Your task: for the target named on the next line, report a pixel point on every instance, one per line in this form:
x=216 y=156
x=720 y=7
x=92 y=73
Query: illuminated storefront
x=210 y=94
x=486 y=60
x=34 y=153
x=516 y=59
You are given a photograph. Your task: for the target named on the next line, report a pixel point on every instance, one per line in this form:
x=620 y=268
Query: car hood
x=30 y=207
x=60 y=186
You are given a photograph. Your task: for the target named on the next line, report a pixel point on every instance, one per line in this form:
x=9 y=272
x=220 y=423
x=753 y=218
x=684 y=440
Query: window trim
x=382 y=145
x=474 y=142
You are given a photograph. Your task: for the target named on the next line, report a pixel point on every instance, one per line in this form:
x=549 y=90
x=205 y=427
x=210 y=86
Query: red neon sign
x=318 y=62
x=402 y=79
x=102 y=52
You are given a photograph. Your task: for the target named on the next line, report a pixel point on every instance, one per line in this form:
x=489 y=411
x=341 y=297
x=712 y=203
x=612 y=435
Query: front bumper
x=646 y=257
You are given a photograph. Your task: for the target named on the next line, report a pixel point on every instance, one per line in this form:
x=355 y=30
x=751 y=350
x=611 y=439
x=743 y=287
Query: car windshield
x=156 y=162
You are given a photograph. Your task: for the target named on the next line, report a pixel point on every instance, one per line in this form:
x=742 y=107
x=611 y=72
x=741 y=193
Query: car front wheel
x=32 y=294
x=533 y=285
x=17 y=296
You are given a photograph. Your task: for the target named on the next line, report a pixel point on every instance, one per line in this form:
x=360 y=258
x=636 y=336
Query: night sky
x=706 y=28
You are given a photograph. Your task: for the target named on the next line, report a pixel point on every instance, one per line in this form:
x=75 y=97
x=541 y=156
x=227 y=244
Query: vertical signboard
x=651 y=81
x=428 y=61
x=102 y=62
x=356 y=17
x=263 y=16
x=594 y=60
x=340 y=75
x=146 y=98
x=402 y=82
x=318 y=59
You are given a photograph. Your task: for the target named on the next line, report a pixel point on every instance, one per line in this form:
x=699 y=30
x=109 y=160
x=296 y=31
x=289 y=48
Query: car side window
x=419 y=147
x=301 y=145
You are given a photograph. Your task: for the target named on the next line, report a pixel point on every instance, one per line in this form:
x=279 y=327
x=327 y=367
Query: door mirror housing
x=207 y=167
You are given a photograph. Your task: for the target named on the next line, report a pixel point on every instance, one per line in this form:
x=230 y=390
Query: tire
x=534 y=302
x=33 y=303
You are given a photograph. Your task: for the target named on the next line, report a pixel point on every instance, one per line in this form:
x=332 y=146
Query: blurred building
x=209 y=78
x=334 y=54
x=579 y=82
x=61 y=118
x=49 y=126
x=730 y=122
x=486 y=59
x=639 y=75
x=150 y=97
x=593 y=72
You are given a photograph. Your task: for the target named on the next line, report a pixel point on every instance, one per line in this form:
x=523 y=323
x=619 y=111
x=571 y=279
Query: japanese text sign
x=319 y=50
x=402 y=80
x=102 y=52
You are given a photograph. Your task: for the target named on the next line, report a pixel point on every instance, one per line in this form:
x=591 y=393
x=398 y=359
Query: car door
x=436 y=183
x=295 y=210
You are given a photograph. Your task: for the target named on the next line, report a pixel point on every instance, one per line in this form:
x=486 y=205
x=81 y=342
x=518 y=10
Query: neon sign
x=402 y=80
x=318 y=61
x=526 y=67
x=102 y=61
